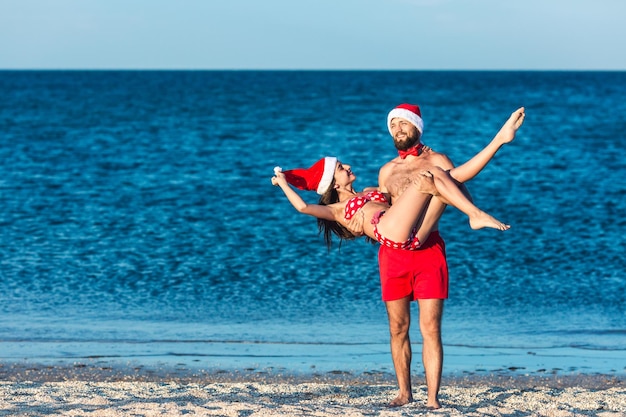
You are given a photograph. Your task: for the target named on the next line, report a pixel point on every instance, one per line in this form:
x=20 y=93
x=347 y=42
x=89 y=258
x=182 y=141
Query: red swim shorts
x=421 y=273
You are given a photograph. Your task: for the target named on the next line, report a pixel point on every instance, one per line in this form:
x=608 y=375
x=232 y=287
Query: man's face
x=405 y=134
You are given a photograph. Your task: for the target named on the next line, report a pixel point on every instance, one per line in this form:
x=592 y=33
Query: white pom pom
x=277 y=170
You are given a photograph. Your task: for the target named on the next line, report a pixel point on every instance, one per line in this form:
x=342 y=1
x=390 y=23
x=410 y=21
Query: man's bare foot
x=433 y=406
x=508 y=130
x=481 y=220
x=401 y=400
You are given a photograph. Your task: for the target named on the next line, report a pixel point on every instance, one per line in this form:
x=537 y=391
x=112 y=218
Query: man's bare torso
x=398 y=174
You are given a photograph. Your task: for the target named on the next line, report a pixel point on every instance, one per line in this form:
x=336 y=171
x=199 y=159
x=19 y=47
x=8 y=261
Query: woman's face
x=343 y=174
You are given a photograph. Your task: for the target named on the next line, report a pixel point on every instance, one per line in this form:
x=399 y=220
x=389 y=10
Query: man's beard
x=407 y=143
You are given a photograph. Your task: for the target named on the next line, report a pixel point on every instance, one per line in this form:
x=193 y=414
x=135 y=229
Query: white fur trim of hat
x=410 y=112
x=330 y=163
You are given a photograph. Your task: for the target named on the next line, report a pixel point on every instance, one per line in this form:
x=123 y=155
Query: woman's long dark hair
x=330 y=227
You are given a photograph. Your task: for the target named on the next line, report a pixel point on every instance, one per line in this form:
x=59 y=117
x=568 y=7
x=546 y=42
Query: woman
x=397 y=226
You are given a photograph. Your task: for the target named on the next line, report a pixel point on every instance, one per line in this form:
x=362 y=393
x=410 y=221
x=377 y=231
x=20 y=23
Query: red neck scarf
x=415 y=151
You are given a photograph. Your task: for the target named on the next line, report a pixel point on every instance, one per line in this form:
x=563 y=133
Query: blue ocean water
x=139 y=223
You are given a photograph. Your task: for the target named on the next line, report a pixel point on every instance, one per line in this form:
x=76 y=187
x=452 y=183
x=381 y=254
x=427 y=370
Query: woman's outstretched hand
x=278 y=179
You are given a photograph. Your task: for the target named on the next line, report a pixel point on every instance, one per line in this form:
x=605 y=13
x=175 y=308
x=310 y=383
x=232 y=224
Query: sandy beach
x=83 y=390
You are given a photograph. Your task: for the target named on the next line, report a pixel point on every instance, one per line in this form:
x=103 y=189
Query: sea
x=139 y=225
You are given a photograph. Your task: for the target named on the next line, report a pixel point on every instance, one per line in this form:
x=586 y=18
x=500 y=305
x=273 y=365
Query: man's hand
x=425 y=182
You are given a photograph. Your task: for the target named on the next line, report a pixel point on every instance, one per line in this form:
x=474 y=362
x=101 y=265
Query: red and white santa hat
x=317 y=178
x=410 y=112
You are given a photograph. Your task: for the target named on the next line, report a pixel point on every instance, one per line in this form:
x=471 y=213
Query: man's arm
x=383 y=174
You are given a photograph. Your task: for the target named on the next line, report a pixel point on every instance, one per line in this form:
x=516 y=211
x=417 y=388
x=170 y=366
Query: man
x=421 y=275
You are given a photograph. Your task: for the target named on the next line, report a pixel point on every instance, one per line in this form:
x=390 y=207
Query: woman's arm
x=315 y=210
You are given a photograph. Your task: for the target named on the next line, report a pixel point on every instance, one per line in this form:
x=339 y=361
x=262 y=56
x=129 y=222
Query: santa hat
x=410 y=112
x=317 y=178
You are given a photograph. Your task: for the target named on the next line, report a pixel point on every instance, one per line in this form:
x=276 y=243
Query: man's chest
x=402 y=175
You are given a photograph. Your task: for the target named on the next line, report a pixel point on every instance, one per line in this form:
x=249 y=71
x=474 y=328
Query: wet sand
x=95 y=390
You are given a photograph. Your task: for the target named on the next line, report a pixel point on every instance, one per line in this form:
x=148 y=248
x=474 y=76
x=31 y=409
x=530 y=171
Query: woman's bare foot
x=481 y=220
x=401 y=400
x=508 y=130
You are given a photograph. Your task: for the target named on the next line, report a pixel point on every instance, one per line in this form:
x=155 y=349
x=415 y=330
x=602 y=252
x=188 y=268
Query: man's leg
x=430 y=314
x=399 y=314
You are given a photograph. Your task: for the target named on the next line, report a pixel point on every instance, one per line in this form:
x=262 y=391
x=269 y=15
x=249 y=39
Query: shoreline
x=307 y=358
x=115 y=372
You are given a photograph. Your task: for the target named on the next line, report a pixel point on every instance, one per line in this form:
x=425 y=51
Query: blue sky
x=313 y=34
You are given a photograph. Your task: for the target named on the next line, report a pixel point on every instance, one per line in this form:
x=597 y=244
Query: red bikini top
x=355 y=203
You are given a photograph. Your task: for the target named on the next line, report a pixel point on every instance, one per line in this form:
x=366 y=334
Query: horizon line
x=324 y=69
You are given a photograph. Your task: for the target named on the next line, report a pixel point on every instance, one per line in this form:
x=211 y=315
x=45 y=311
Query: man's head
x=405 y=125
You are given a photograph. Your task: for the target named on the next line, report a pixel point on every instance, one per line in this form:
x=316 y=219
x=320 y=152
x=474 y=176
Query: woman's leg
x=407 y=211
x=471 y=168
x=451 y=194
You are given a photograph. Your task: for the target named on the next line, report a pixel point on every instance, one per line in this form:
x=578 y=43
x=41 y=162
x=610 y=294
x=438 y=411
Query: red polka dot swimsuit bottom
x=412 y=243
x=356 y=203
